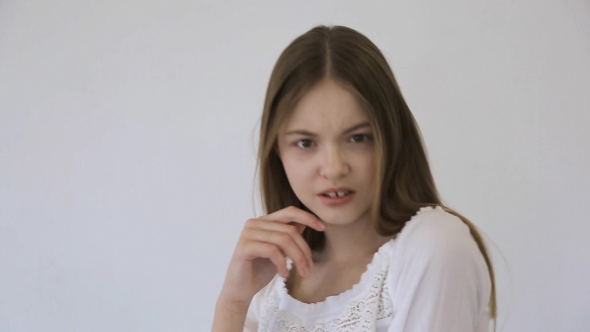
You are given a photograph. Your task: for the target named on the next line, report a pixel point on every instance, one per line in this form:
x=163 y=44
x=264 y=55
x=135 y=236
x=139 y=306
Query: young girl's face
x=326 y=144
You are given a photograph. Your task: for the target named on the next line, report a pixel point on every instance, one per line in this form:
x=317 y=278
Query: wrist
x=230 y=315
x=233 y=304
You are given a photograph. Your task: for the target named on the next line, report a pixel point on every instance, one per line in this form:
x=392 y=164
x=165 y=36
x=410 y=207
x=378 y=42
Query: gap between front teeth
x=338 y=194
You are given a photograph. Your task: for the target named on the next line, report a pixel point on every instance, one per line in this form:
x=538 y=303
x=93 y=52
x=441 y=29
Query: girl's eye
x=360 y=138
x=304 y=143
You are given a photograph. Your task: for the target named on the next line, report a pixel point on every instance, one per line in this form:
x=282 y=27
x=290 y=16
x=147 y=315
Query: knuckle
x=292 y=230
x=246 y=234
x=251 y=222
x=242 y=249
x=274 y=251
x=282 y=238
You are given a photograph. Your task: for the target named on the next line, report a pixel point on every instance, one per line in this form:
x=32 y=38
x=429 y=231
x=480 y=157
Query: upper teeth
x=338 y=193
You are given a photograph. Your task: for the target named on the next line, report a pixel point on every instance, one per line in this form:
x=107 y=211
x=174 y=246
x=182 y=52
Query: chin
x=338 y=222
x=337 y=215
x=341 y=216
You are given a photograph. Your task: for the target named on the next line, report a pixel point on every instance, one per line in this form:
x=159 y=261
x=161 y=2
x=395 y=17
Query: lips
x=337 y=198
x=337 y=193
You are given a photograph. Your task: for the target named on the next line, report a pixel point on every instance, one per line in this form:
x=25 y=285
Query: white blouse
x=431 y=277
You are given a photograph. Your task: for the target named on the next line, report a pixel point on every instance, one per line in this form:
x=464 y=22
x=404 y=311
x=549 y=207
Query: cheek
x=297 y=172
x=366 y=166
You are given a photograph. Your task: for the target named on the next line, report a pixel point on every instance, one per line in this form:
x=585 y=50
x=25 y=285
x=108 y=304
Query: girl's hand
x=261 y=252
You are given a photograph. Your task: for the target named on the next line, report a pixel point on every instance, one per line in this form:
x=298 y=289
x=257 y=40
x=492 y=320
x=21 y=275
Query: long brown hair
x=404 y=180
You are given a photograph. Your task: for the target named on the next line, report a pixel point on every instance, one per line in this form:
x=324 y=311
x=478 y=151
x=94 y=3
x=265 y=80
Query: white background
x=128 y=134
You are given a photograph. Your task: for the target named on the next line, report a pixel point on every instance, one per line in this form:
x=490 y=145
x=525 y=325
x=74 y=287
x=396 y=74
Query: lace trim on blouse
x=356 y=309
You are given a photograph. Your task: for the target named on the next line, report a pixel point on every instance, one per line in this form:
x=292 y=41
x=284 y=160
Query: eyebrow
x=309 y=133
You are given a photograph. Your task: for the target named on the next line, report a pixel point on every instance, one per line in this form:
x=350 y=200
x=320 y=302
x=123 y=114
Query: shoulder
x=436 y=234
x=437 y=245
x=437 y=272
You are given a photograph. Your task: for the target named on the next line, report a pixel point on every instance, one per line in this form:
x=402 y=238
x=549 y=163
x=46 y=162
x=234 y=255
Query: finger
x=270 y=251
x=292 y=214
x=285 y=243
x=289 y=229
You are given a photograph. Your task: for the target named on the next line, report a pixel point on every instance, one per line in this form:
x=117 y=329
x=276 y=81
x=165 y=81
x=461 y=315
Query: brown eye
x=360 y=138
x=304 y=143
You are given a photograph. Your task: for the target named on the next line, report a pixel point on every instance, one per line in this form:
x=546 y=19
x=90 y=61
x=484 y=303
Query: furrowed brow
x=356 y=127
x=310 y=134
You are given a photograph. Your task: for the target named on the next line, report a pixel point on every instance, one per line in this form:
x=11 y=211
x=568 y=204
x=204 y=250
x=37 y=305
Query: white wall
x=128 y=135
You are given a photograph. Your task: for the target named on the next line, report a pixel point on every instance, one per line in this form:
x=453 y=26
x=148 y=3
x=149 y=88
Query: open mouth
x=337 y=198
x=335 y=194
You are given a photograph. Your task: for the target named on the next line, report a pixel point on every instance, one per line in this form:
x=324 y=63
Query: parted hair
x=404 y=180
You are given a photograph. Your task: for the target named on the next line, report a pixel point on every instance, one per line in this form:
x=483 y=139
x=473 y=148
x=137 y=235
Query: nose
x=334 y=165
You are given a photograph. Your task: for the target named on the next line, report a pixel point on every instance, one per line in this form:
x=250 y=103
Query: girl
x=356 y=237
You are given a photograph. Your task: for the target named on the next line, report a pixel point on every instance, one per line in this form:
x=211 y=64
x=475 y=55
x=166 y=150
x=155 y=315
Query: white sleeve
x=255 y=308
x=438 y=278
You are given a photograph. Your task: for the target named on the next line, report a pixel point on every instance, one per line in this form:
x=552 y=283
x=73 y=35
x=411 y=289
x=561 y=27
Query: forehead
x=327 y=106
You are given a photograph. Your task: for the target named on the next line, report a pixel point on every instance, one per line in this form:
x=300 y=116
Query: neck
x=354 y=242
